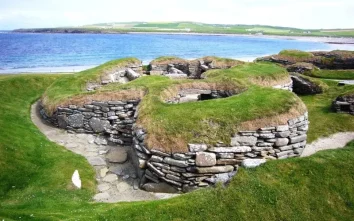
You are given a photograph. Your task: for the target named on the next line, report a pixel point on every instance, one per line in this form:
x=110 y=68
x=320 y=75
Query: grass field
x=332 y=74
x=35 y=174
x=195 y=27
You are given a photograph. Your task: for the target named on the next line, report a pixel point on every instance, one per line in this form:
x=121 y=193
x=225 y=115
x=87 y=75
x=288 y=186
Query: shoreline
x=328 y=40
x=337 y=43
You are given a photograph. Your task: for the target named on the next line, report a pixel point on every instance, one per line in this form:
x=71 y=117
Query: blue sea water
x=74 y=52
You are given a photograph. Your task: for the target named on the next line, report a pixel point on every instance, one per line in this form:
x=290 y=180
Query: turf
x=332 y=74
x=35 y=174
x=323 y=121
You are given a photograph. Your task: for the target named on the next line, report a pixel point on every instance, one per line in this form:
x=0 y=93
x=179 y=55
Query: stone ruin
x=344 y=104
x=202 y=165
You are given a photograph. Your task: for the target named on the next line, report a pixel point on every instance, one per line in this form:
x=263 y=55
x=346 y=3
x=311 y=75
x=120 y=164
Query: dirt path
x=117 y=182
x=335 y=141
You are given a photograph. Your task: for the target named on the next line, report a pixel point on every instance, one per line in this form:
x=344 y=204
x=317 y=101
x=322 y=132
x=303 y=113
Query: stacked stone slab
x=120 y=75
x=112 y=118
x=205 y=165
x=190 y=95
x=344 y=104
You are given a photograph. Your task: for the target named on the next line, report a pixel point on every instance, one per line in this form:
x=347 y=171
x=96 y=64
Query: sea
x=51 y=53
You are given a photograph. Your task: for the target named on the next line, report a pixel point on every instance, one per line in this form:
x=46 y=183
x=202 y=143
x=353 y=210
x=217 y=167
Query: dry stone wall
x=112 y=118
x=344 y=104
x=204 y=165
x=190 y=95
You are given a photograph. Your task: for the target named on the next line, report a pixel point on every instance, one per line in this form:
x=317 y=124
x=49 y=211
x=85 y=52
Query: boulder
x=98 y=125
x=205 y=159
x=132 y=75
x=281 y=142
x=117 y=155
x=76 y=120
x=62 y=121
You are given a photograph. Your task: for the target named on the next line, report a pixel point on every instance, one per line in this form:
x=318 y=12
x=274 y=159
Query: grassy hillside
x=35 y=174
x=195 y=27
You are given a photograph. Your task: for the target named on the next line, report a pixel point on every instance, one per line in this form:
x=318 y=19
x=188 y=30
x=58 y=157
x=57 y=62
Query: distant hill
x=193 y=27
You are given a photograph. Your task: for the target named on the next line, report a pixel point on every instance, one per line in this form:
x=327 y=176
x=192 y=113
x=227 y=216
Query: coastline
x=328 y=40
x=338 y=43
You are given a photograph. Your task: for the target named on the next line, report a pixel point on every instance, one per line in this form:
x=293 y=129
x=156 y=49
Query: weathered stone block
x=76 y=120
x=174 y=162
x=240 y=149
x=205 y=159
x=98 y=125
x=281 y=142
x=62 y=121
x=282 y=128
x=298 y=138
x=243 y=141
x=215 y=169
x=197 y=147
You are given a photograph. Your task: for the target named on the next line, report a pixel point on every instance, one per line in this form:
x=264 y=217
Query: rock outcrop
x=334 y=60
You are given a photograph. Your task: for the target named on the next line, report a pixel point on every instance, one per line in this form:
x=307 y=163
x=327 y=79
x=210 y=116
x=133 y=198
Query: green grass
x=195 y=27
x=208 y=121
x=76 y=84
x=35 y=174
x=323 y=121
x=333 y=74
x=296 y=54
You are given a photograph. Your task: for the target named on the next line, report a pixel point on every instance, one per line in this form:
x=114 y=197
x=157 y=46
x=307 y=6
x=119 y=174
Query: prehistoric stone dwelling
x=191 y=124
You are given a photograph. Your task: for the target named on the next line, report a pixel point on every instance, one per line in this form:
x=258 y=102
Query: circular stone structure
x=185 y=134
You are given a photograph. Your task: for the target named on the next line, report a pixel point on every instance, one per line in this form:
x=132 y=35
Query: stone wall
x=344 y=104
x=188 y=69
x=112 y=118
x=190 y=95
x=204 y=165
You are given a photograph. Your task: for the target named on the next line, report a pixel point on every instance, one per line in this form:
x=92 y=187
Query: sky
x=304 y=14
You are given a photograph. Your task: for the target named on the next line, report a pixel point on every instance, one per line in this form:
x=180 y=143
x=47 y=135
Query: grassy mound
x=296 y=54
x=35 y=174
x=209 y=121
x=332 y=74
x=72 y=85
x=164 y=60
